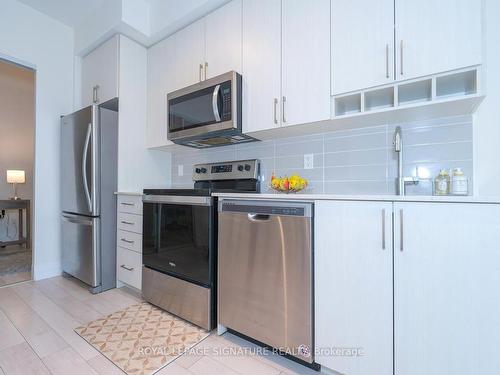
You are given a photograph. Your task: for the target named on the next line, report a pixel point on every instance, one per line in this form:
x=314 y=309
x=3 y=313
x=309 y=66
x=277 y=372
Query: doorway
x=17 y=156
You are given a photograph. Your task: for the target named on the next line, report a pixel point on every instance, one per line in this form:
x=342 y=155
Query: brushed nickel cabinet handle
x=127 y=222
x=206 y=70
x=94 y=95
x=401 y=230
x=275 y=110
x=387 y=61
x=127 y=204
x=126 y=241
x=401 y=56
x=383 y=229
x=200 y=72
x=127 y=268
x=284 y=102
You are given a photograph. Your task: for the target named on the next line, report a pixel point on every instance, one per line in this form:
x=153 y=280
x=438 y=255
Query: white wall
x=487 y=118
x=33 y=39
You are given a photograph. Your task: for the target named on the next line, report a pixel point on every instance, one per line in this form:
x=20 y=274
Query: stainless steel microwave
x=208 y=113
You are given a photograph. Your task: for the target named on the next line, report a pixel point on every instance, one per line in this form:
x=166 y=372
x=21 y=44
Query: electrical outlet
x=180 y=170
x=308 y=161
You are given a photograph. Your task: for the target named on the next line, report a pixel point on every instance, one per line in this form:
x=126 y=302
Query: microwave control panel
x=225 y=94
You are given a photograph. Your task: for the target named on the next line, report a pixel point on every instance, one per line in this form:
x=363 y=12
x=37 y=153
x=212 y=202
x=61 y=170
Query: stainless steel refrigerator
x=89 y=158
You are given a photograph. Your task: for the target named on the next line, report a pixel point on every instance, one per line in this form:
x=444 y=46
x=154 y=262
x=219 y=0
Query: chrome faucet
x=398 y=148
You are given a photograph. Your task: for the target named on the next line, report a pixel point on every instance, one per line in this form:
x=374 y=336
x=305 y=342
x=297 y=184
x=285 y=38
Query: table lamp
x=15 y=177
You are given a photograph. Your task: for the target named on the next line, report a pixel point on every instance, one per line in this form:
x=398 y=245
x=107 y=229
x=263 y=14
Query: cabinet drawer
x=130 y=222
x=129 y=267
x=130 y=204
x=129 y=240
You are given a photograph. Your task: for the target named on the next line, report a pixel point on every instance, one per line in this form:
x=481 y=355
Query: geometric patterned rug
x=142 y=338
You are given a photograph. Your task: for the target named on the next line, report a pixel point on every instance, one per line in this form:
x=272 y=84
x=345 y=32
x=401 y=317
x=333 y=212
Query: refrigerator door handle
x=77 y=220
x=84 y=167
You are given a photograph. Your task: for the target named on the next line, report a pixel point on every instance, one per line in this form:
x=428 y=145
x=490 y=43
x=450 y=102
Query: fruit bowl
x=292 y=184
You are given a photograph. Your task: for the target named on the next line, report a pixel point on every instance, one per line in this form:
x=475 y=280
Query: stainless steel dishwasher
x=265 y=273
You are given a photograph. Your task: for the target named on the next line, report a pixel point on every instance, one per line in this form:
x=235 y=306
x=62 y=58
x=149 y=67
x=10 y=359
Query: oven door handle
x=215 y=103
x=174 y=199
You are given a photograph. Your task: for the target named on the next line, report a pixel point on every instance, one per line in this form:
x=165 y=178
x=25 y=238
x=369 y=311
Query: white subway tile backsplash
x=356 y=173
x=355 y=187
x=358 y=142
x=363 y=157
x=353 y=161
x=438 y=152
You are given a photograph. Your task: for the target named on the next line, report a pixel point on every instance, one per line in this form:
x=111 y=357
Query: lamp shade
x=16 y=177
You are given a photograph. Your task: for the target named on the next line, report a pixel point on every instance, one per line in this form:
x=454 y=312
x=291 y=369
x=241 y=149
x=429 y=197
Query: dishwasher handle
x=258 y=217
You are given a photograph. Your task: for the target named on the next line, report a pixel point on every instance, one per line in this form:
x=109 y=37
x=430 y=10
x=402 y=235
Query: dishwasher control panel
x=267 y=208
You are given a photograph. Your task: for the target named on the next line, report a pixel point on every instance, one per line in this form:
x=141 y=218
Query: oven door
x=207 y=107
x=178 y=237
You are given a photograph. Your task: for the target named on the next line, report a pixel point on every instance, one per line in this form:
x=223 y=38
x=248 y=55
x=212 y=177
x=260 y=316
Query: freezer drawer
x=265 y=273
x=81 y=248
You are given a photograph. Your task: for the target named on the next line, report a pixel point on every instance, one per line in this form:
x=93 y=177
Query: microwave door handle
x=215 y=101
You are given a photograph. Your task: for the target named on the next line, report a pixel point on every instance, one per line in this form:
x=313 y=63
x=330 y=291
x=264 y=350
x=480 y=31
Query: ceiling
x=69 y=12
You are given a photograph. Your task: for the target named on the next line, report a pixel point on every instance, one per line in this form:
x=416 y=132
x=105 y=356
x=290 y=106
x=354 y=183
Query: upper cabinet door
x=100 y=73
x=305 y=61
x=353 y=285
x=190 y=54
x=261 y=64
x=436 y=36
x=223 y=40
x=362 y=44
x=161 y=75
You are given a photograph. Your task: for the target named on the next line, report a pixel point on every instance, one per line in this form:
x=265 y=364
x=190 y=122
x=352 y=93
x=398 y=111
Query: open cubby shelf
x=349 y=104
x=379 y=99
x=415 y=92
x=457 y=84
x=454 y=85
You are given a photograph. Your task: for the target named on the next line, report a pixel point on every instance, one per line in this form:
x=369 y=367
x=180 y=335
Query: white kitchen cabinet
x=223 y=40
x=286 y=63
x=100 y=73
x=129 y=240
x=261 y=65
x=305 y=61
x=436 y=36
x=446 y=277
x=353 y=285
x=161 y=81
x=377 y=42
x=209 y=46
x=190 y=54
x=362 y=44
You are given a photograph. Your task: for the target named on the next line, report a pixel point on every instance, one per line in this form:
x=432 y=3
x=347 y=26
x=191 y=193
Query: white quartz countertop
x=390 y=198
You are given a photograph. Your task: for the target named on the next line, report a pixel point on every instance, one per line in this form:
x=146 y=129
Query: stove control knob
x=240 y=168
x=203 y=170
x=248 y=167
x=197 y=170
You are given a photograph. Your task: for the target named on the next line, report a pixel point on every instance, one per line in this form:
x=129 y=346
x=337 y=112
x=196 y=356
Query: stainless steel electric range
x=180 y=239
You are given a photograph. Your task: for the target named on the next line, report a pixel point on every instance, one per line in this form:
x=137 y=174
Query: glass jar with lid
x=442 y=183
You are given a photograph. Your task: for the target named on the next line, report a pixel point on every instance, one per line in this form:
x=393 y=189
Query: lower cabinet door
x=353 y=287
x=129 y=267
x=446 y=280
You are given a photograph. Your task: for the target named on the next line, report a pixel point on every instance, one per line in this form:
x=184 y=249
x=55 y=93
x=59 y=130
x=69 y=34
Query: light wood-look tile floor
x=37 y=319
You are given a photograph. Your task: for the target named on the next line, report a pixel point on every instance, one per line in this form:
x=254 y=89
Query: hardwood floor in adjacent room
x=15 y=264
x=37 y=319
